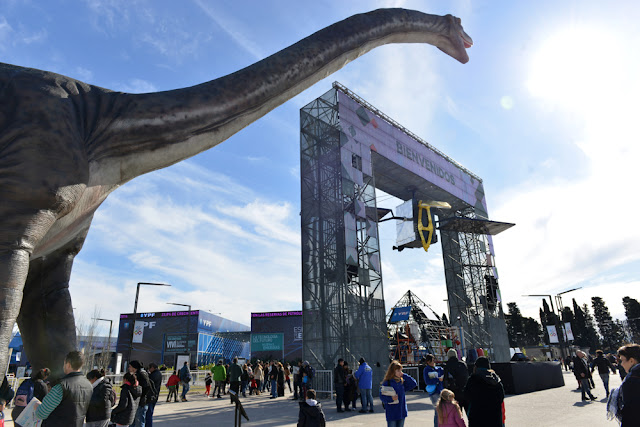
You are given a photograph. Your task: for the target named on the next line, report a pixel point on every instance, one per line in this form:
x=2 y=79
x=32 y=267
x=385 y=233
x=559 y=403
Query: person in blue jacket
x=433 y=378
x=397 y=383
x=364 y=375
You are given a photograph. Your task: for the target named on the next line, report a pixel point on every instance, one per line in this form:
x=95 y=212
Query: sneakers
x=370 y=410
x=594 y=398
x=340 y=410
x=362 y=411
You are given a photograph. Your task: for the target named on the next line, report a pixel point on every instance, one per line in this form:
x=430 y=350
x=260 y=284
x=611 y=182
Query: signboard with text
x=267 y=342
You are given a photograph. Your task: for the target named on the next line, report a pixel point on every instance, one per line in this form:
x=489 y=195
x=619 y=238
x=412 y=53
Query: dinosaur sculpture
x=66 y=145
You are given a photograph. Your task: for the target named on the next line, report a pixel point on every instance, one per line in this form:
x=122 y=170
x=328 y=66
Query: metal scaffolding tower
x=343 y=303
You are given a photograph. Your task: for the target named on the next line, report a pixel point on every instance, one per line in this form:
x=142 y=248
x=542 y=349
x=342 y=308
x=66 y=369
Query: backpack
x=112 y=397
x=25 y=393
x=311 y=372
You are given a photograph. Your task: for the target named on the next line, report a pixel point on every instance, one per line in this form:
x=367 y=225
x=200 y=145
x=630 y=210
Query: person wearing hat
x=456 y=376
x=485 y=395
x=364 y=375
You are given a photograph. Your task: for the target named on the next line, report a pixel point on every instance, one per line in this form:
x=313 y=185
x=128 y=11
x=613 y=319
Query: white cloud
x=135 y=86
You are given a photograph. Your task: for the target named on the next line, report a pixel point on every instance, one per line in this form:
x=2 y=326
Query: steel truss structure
x=472 y=289
x=343 y=302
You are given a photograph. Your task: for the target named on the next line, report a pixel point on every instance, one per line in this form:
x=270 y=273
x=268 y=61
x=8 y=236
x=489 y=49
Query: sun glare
x=577 y=68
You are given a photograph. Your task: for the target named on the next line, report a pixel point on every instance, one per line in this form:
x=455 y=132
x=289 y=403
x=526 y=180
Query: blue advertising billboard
x=399 y=314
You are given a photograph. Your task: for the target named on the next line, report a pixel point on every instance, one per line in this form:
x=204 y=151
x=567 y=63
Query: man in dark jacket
x=155 y=380
x=630 y=360
x=339 y=381
x=604 y=367
x=485 y=395
x=136 y=368
x=311 y=414
x=67 y=403
x=99 y=412
x=456 y=375
x=235 y=372
x=185 y=379
x=581 y=371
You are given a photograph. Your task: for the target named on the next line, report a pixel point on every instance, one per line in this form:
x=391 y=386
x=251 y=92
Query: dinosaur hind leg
x=46 y=319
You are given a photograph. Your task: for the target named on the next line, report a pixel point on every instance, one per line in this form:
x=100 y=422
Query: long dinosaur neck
x=146 y=132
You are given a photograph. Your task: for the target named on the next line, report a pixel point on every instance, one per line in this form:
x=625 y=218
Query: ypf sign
x=138 y=329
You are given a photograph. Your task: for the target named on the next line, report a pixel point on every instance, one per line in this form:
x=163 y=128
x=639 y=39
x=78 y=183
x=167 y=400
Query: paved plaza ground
x=555 y=407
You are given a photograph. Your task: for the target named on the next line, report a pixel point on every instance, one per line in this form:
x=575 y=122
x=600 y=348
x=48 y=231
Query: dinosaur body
x=66 y=145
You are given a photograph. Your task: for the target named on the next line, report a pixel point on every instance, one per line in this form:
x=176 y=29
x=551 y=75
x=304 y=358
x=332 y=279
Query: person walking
x=311 y=414
x=244 y=380
x=185 y=379
x=297 y=383
x=581 y=371
x=604 y=367
x=125 y=413
x=219 y=376
x=433 y=379
x=287 y=376
x=172 y=385
x=630 y=360
x=99 y=412
x=448 y=410
x=485 y=394
x=235 y=374
x=155 y=383
x=208 y=380
x=392 y=394
x=339 y=381
x=280 y=379
x=456 y=375
x=258 y=375
x=135 y=367
x=364 y=375
x=273 y=379
x=67 y=403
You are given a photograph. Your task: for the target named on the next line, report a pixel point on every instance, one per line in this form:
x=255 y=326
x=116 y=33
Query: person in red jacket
x=172 y=385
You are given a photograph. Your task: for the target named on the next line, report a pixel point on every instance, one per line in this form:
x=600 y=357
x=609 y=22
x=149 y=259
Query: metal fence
x=414 y=372
x=323 y=383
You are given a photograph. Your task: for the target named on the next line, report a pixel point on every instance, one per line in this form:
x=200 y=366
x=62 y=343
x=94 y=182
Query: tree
x=583 y=330
x=612 y=334
x=521 y=330
x=632 y=312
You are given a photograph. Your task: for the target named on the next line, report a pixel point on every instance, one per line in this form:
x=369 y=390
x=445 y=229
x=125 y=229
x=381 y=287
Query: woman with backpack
x=125 y=413
x=102 y=400
x=30 y=388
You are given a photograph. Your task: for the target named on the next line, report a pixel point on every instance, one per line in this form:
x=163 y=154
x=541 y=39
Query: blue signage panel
x=399 y=314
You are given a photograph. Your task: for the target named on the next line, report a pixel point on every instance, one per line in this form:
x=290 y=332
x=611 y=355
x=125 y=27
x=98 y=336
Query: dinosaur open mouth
x=466 y=40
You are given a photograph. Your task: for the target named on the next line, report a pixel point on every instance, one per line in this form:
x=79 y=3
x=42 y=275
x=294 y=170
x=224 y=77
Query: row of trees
x=609 y=335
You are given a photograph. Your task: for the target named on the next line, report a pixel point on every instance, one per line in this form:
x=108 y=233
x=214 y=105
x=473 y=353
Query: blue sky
x=545 y=112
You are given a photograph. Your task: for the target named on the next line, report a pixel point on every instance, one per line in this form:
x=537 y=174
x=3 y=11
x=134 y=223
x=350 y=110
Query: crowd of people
x=90 y=399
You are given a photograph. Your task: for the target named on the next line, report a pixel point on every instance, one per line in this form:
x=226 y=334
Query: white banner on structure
x=138 y=331
x=553 y=335
x=568 y=333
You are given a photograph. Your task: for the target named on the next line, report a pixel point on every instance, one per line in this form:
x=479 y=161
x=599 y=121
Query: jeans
x=367 y=398
x=185 y=389
x=434 y=400
x=605 y=381
x=396 y=423
x=140 y=418
x=149 y=416
x=243 y=388
x=274 y=388
x=339 y=395
x=584 y=384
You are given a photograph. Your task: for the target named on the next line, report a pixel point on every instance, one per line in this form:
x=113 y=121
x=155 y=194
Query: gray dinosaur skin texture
x=66 y=145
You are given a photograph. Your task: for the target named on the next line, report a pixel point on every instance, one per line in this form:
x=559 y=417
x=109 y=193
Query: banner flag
x=553 y=335
x=138 y=331
x=568 y=332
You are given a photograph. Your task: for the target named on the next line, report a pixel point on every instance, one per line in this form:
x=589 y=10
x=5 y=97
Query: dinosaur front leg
x=46 y=318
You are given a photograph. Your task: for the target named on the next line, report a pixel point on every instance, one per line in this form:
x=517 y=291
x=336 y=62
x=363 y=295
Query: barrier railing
x=414 y=372
x=323 y=384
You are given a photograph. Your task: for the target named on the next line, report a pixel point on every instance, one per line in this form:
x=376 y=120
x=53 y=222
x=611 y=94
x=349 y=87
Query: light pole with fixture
x=188 y=322
x=135 y=310
x=108 y=342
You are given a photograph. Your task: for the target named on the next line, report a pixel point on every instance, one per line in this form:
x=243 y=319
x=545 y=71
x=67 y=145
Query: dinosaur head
x=455 y=42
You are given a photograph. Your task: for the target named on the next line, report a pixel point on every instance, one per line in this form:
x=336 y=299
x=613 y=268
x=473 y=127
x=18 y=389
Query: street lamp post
x=188 y=322
x=561 y=309
x=135 y=310
x=108 y=342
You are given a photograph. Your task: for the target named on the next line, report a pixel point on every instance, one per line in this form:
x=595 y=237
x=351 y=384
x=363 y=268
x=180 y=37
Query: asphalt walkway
x=560 y=406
